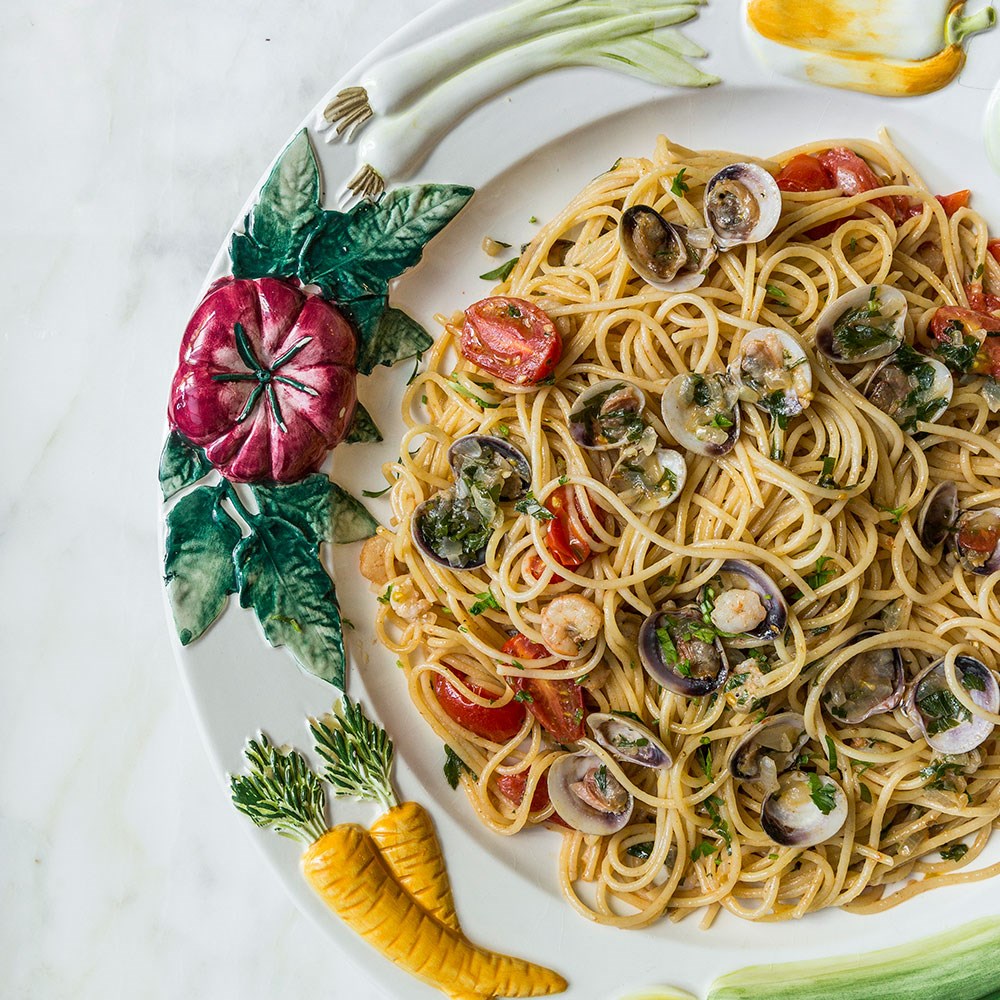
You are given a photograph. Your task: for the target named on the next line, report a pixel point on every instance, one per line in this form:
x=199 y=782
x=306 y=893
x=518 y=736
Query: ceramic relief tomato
x=266 y=380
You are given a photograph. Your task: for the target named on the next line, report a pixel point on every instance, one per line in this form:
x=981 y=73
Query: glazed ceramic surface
x=525 y=153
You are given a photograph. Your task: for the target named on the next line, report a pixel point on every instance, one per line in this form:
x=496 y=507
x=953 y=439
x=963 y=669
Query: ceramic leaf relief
x=894 y=48
x=405 y=103
x=388 y=883
x=265 y=387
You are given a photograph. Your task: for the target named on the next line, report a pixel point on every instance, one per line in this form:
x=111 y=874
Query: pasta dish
x=696 y=537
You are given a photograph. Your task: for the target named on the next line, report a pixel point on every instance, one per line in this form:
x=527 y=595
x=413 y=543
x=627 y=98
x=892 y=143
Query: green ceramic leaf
x=280 y=576
x=198 y=562
x=321 y=510
x=363 y=428
x=354 y=254
x=181 y=464
x=396 y=336
x=959 y=965
x=282 y=217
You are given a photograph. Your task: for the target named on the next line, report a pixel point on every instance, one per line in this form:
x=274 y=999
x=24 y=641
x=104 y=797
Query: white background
x=131 y=133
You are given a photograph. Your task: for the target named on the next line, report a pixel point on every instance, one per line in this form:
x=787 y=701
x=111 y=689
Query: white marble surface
x=133 y=132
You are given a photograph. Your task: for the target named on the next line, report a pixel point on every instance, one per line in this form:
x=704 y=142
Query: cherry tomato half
x=564 y=538
x=853 y=176
x=511 y=339
x=953 y=202
x=951 y=325
x=980 y=300
x=556 y=704
x=513 y=785
x=981 y=540
x=994 y=248
x=496 y=724
x=804 y=173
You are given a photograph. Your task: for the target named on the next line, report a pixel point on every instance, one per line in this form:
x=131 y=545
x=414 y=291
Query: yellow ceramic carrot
x=406 y=837
x=347 y=870
x=389 y=884
x=894 y=49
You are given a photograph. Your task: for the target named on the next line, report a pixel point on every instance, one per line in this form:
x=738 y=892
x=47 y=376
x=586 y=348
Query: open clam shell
x=702 y=412
x=608 y=415
x=587 y=795
x=804 y=810
x=772 y=370
x=666 y=255
x=947 y=725
x=769 y=749
x=649 y=482
x=977 y=540
x=861 y=325
x=496 y=458
x=910 y=387
x=450 y=531
x=742 y=204
x=681 y=653
x=628 y=740
x=740 y=579
x=938 y=514
x=869 y=683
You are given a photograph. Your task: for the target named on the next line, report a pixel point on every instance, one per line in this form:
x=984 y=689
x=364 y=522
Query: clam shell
x=892 y=304
x=628 y=740
x=567 y=771
x=897 y=387
x=705 y=674
x=474 y=448
x=742 y=204
x=790 y=817
x=691 y=425
x=869 y=683
x=584 y=425
x=938 y=514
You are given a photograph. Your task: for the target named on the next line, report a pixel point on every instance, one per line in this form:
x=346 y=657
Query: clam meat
x=769 y=749
x=681 y=653
x=804 y=810
x=647 y=482
x=862 y=325
x=628 y=740
x=773 y=372
x=587 y=795
x=668 y=256
x=702 y=412
x=910 y=387
x=608 y=415
x=867 y=684
x=742 y=204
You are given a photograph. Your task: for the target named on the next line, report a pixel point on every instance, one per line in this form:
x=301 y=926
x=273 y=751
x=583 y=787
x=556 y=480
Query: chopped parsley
x=721 y=420
x=896 y=512
x=601 y=779
x=863 y=330
x=713 y=804
x=679 y=186
x=454 y=766
x=936 y=774
x=955 y=852
x=524 y=696
x=503 y=430
x=704 y=757
x=703 y=850
x=824 y=796
x=943 y=711
x=826 y=479
x=501 y=273
x=384 y=599
x=625 y=743
x=865 y=792
x=641 y=851
x=484 y=601
x=831 y=753
x=777 y=293
x=529 y=505
x=465 y=391
x=372 y=494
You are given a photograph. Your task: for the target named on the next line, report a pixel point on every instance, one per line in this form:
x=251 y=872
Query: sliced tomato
x=556 y=704
x=980 y=300
x=954 y=201
x=513 y=785
x=512 y=339
x=853 y=175
x=534 y=567
x=496 y=724
x=978 y=539
x=564 y=539
x=994 y=248
x=804 y=173
x=953 y=326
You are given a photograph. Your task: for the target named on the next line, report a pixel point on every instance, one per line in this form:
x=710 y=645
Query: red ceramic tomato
x=511 y=339
x=804 y=173
x=266 y=380
x=556 y=704
x=496 y=724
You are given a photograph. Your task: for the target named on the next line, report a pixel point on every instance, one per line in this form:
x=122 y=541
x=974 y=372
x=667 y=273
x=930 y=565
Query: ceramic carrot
x=389 y=884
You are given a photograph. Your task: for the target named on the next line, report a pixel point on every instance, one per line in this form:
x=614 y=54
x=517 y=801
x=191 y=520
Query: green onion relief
x=958 y=965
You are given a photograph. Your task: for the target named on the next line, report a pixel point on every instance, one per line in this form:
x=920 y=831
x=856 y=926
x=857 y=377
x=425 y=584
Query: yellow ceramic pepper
x=894 y=49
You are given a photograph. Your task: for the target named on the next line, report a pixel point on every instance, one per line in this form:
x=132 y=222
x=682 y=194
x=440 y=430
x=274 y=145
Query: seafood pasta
x=694 y=549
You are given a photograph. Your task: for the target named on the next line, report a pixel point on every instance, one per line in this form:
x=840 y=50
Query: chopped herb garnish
x=721 y=420
x=679 y=186
x=978 y=273
x=529 y=505
x=972 y=681
x=484 y=601
x=865 y=792
x=703 y=850
x=641 y=851
x=704 y=757
x=777 y=293
x=523 y=696
x=563 y=480
x=896 y=512
x=454 y=766
x=824 y=796
x=503 y=430
x=936 y=774
x=714 y=804
x=533 y=219
x=601 y=779
x=831 y=753
x=463 y=390
x=955 y=853
x=826 y=479
x=501 y=273
x=384 y=599
x=943 y=711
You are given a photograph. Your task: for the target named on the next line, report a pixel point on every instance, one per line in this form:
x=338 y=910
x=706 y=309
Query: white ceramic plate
x=526 y=153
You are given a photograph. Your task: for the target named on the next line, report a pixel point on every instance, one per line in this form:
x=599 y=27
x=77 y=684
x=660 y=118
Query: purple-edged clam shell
x=607 y=415
x=708 y=428
x=791 y=817
x=628 y=740
x=676 y=658
x=977 y=540
x=946 y=724
x=479 y=448
x=938 y=514
x=434 y=550
x=867 y=684
x=885 y=323
x=737 y=574
x=742 y=204
x=769 y=749
x=573 y=769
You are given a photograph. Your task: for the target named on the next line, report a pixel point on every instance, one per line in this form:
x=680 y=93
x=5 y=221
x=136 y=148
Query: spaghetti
x=830 y=517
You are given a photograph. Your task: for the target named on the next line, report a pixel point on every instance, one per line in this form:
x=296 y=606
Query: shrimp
x=568 y=623
x=407 y=601
x=738 y=611
x=376 y=562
